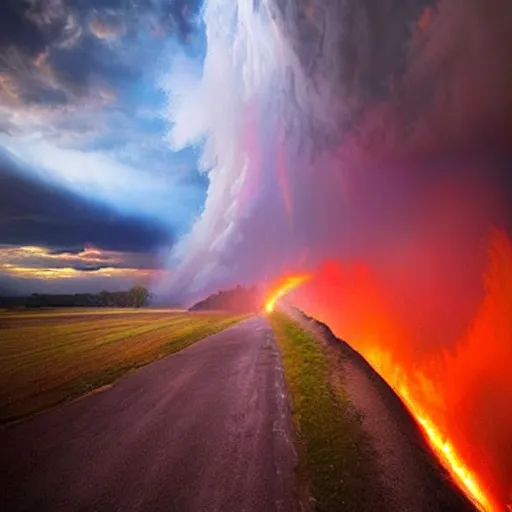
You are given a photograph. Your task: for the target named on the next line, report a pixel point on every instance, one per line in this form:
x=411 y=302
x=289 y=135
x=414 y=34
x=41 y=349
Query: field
x=47 y=357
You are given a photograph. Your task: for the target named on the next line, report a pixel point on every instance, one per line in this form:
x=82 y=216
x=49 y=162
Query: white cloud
x=239 y=68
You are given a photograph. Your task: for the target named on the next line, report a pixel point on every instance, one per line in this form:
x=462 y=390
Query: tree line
x=135 y=297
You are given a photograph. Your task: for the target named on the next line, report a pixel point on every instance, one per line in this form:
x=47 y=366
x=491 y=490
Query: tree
x=104 y=298
x=138 y=296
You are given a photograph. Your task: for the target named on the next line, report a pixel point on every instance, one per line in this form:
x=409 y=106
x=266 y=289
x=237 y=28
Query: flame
x=458 y=390
x=285 y=285
x=441 y=445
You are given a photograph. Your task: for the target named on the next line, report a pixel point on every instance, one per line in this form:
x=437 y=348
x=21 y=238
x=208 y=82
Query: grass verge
x=334 y=450
x=47 y=359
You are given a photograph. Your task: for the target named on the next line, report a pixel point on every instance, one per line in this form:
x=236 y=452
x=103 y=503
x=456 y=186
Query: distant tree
x=138 y=296
x=104 y=298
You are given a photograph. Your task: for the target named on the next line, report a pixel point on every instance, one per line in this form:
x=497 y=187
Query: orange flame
x=285 y=285
x=441 y=445
x=458 y=391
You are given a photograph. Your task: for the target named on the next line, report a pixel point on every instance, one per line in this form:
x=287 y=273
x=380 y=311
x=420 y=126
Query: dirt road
x=207 y=429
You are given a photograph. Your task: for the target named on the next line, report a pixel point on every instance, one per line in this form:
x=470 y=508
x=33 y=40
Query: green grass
x=333 y=448
x=48 y=357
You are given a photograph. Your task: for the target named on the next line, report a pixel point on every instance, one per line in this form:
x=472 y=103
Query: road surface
x=207 y=429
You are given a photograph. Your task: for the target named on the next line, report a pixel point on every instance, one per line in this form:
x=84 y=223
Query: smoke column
x=368 y=146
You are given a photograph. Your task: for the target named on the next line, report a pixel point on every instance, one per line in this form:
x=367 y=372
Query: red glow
x=460 y=396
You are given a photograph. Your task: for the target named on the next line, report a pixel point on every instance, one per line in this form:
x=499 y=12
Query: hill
x=240 y=299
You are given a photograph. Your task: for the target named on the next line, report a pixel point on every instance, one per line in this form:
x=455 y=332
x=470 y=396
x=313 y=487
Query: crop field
x=47 y=357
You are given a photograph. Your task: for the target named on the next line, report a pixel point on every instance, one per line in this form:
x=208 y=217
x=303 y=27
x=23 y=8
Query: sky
x=226 y=142
x=85 y=157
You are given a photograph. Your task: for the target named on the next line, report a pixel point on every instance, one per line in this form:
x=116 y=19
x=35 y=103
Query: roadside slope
x=374 y=457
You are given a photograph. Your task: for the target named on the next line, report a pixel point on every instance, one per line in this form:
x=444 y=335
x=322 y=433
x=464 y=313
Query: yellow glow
x=69 y=272
x=285 y=286
x=33 y=262
x=88 y=255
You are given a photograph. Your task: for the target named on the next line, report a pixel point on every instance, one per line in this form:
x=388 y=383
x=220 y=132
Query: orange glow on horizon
x=34 y=262
x=62 y=273
x=285 y=285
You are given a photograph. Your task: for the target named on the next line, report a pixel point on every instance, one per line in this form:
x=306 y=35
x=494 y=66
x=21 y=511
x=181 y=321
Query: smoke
x=367 y=144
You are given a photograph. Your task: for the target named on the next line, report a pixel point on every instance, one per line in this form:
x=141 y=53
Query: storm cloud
x=33 y=213
x=342 y=98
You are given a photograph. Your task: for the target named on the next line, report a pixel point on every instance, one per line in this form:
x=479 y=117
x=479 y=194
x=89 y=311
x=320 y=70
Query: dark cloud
x=365 y=40
x=33 y=213
x=18 y=30
x=403 y=79
x=57 y=53
x=33 y=26
x=89 y=64
x=453 y=98
x=87 y=268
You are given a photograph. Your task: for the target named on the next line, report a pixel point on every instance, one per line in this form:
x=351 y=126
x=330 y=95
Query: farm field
x=47 y=357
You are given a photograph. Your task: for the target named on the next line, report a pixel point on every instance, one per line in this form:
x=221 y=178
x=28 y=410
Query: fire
x=466 y=479
x=285 y=285
x=441 y=445
x=459 y=389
